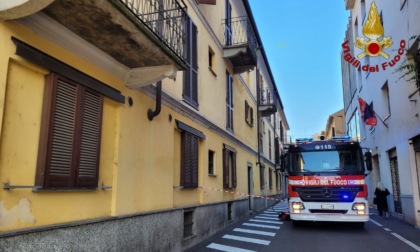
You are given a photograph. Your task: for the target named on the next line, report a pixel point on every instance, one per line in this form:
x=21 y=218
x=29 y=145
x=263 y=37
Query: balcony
x=240 y=44
x=267 y=104
x=349 y=4
x=146 y=36
x=137 y=33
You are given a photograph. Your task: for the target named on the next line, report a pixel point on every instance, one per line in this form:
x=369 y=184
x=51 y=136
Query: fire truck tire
x=298 y=223
x=360 y=225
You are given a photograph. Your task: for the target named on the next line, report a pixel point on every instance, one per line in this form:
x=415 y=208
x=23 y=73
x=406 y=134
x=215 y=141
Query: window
x=270 y=179
x=385 y=97
x=190 y=85
x=189 y=155
x=188 y=223
x=262 y=180
x=372 y=128
x=395 y=177
x=71 y=124
x=211 y=162
x=269 y=145
x=363 y=10
x=249 y=114
x=189 y=160
x=229 y=167
x=261 y=143
x=281 y=132
x=71 y=134
x=229 y=102
x=402 y=2
x=228 y=26
x=211 y=59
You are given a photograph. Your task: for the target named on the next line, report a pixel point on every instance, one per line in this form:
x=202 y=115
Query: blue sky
x=302 y=40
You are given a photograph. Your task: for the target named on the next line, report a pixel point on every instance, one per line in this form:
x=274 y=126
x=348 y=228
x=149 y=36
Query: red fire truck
x=326 y=180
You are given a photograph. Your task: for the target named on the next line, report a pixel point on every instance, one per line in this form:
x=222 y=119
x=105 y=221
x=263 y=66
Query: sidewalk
x=396 y=227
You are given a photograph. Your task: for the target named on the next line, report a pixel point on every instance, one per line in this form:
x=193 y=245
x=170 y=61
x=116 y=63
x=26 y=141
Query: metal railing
x=239 y=31
x=166 y=19
x=267 y=96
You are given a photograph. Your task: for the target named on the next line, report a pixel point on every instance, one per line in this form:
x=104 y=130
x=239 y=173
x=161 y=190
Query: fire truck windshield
x=340 y=160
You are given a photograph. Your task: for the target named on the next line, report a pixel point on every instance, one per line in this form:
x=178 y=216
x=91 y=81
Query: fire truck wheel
x=298 y=223
x=360 y=225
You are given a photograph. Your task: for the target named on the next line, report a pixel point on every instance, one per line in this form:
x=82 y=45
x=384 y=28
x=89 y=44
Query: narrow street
x=265 y=232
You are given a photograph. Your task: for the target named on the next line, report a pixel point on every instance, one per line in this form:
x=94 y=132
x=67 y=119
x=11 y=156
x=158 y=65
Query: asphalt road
x=265 y=232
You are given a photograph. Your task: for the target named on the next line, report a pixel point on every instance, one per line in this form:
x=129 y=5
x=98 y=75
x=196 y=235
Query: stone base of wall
x=158 y=231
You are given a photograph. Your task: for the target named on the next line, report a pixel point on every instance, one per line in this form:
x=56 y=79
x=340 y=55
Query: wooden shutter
x=189 y=160
x=90 y=139
x=190 y=86
x=212 y=2
x=234 y=183
x=70 y=135
x=252 y=116
x=59 y=165
x=225 y=168
x=276 y=151
x=247 y=112
x=194 y=161
x=194 y=64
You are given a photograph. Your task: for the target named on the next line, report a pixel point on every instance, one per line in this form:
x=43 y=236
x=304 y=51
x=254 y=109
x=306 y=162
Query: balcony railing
x=267 y=102
x=165 y=19
x=239 y=31
x=266 y=96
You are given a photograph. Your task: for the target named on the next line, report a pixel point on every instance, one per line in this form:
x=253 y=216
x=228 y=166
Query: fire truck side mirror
x=368 y=160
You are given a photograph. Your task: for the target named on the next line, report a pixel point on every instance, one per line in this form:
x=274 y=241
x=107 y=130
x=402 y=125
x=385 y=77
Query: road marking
x=409 y=243
x=387 y=229
x=376 y=223
x=249 y=231
x=227 y=248
x=271 y=212
x=281 y=208
x=265 y=221
x=270 y=215
x=267 y=218
x=261 y=226
x=246 y=239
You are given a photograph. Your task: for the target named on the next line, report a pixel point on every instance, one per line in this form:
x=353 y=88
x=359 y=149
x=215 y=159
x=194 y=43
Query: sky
x=302 y=40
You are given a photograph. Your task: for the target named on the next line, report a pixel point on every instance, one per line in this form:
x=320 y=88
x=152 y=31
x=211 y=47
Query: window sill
x=212 y=175
x=71 y=189
x=212 y=71
x=7 y=186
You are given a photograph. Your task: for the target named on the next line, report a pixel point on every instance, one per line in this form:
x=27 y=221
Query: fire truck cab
x=326 y=180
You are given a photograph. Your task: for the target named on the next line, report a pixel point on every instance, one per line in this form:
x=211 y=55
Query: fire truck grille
x=327 y=194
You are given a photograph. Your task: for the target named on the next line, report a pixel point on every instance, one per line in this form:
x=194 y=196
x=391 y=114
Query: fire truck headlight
x=297 y=206
x=359 y=207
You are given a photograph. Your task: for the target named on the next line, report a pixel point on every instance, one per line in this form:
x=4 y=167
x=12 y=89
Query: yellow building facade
x=126 y=126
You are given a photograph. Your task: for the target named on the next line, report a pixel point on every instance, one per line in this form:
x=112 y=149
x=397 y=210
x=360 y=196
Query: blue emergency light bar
x=306 y=139
x=344 y=138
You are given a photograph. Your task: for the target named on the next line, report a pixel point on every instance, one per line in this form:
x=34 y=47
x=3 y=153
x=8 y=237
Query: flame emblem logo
x=374 y=31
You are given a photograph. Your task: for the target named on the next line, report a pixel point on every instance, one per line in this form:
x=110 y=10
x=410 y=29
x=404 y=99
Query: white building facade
x=374 y=62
